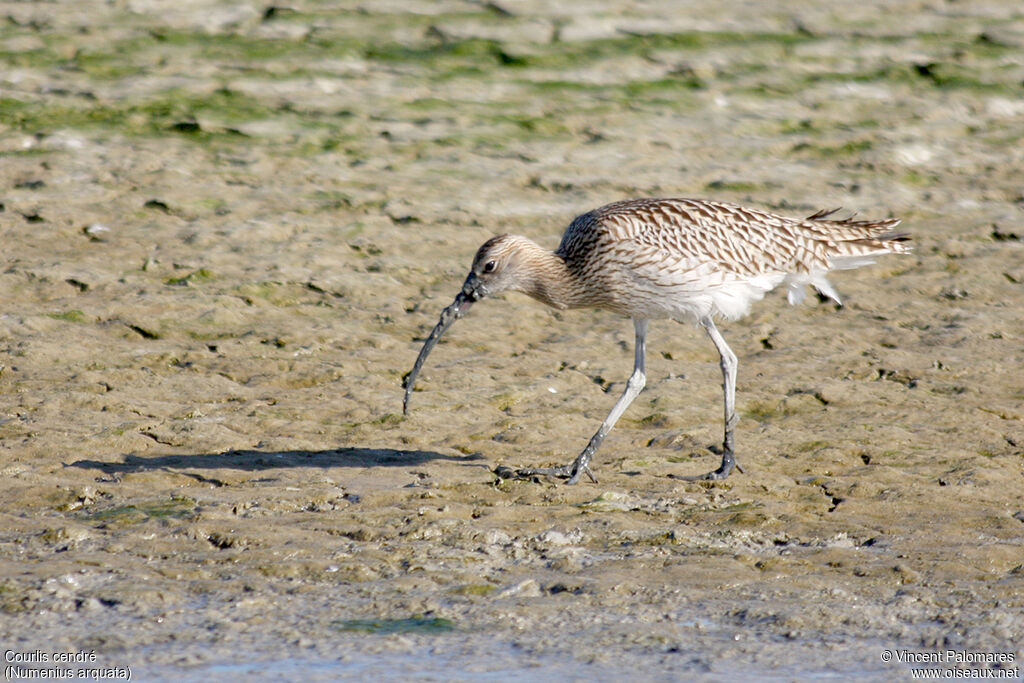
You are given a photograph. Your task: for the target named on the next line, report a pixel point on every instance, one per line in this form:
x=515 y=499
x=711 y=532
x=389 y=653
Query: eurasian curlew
x=684 y=259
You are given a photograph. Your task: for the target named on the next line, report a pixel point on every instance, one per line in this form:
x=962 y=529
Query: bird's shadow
x=255 y=460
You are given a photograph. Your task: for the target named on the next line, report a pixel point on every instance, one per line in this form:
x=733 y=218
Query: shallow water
x=498 y=662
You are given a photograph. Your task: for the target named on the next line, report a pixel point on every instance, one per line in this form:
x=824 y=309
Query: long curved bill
x=471 y=292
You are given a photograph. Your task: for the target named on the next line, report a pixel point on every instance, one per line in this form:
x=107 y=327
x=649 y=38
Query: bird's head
x=497 y=267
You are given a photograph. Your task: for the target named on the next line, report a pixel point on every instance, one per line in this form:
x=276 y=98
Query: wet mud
x=227 y=229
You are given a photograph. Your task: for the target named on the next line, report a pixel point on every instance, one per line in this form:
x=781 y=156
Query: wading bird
x=685 y=259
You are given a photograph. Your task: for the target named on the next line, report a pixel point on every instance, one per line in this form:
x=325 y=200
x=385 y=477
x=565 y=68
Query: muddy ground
x=227 y=228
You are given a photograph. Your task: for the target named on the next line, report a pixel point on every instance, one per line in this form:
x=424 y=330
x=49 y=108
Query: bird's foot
x=723 y=471
x=571 y=473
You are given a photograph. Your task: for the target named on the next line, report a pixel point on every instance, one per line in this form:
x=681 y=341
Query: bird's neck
x=548 y=279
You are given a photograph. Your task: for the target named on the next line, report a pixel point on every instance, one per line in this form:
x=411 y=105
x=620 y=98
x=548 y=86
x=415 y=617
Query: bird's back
x=688 y=258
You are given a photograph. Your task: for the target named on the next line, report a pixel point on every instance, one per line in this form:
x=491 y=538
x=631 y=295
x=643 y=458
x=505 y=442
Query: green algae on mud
x=175 y=508
x=386 y=626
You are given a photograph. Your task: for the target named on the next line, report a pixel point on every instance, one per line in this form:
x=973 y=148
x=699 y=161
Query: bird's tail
x=848 y=244
x=849 y=237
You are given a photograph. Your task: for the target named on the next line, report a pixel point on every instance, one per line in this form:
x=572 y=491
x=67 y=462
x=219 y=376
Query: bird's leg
x=633 y=387
x=729 y=364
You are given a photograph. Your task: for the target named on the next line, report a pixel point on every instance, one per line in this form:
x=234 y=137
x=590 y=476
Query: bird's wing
x=743 y=242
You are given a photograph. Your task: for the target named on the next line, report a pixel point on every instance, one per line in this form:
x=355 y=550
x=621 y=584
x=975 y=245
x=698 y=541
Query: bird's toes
x=717 y=475
x=583 y=470
x=505 y=472
x=531 y=473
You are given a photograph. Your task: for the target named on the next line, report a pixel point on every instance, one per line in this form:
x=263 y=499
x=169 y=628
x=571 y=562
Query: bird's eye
x=490 y=266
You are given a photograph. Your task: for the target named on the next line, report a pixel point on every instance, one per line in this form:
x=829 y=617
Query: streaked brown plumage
x=685 y=259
